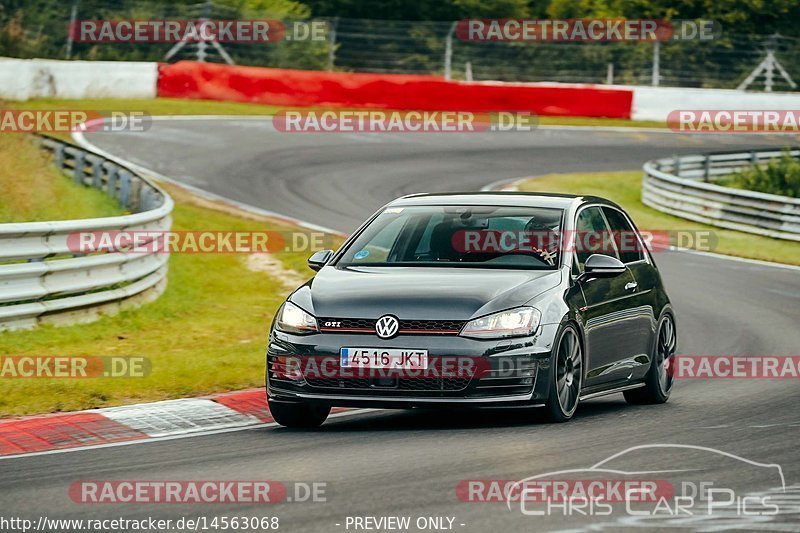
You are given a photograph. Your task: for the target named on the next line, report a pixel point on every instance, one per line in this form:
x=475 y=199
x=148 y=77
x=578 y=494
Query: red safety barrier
x=284 y=87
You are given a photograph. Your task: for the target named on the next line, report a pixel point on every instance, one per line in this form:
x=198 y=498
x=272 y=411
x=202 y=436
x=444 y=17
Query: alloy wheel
x=665 y=351
x=569 y=371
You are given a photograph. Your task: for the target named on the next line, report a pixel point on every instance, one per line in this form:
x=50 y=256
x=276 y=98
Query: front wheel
x=658 y=383
x=298 y=415
x=566 y=376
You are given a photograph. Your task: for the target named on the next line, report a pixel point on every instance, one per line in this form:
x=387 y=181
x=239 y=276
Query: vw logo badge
x=387 y=326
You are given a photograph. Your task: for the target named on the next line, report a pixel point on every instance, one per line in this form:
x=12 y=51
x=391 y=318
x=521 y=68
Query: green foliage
x=779 y=176
x=39 y=28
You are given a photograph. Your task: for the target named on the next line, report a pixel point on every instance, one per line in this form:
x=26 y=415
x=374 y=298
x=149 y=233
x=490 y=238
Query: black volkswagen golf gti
x=484 y=299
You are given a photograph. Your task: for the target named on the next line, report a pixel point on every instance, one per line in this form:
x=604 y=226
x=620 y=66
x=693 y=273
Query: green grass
x=207 y=333
x=625 y=188
x=175 y=106
x=603 y=122
x=32 y=189
x=155 y=106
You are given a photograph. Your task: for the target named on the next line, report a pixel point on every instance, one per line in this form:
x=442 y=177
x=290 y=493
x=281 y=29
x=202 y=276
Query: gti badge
x=387 y=326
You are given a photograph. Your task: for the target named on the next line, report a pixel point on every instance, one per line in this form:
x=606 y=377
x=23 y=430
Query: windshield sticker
x=361 y=255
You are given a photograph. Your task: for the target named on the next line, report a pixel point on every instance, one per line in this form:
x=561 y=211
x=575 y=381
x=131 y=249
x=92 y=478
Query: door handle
x=631 y=286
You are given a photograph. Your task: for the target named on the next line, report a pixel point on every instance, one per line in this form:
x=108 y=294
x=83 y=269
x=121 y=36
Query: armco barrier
x=681 y=186
x=285 y=87
x=43 y=280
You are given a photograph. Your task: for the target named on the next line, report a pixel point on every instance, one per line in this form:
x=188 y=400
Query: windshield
x=460 y=236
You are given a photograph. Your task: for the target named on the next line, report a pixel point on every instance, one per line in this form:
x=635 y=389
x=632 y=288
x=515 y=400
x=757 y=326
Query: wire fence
x=412 y=47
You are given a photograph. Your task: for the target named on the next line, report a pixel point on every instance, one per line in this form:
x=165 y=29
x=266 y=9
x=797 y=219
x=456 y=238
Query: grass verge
x=625 y=188
x=177 y=106
x=152 y=106
x=32 y=189
x=207 y=333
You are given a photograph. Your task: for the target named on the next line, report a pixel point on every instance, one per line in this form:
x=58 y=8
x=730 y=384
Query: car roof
x=502 y=198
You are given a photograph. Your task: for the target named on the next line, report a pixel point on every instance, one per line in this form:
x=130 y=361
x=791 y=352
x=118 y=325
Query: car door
x=643 y=301
x=611 y=345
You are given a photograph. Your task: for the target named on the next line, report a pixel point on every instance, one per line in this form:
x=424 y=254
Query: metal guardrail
x=682 y=186
x=43 y=280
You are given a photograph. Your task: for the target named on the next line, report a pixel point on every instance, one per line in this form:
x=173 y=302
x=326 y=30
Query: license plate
x=384 y=358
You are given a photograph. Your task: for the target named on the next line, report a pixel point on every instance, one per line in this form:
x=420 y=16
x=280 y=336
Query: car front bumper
x=514 y=371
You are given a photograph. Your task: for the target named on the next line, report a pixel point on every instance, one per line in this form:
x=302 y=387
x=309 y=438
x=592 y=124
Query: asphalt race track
x=408 y=463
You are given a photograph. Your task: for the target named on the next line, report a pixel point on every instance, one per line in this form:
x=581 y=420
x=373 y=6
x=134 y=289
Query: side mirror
x=601 y=266
x=319 y=259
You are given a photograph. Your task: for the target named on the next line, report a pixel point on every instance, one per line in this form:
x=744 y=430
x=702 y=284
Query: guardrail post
x=124 y=187
x=80 y=162
x=706 y=168
x=145 y=199
x=59 y=155
x=97 y=174
x=754 y=158
x=113 y=174
x=135 y=195
x=676 y=167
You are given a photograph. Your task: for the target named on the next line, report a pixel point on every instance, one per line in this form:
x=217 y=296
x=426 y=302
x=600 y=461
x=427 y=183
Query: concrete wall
x=22 y=79
x=655 y=103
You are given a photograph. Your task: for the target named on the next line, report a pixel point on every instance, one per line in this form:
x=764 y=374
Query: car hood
x=420 y=293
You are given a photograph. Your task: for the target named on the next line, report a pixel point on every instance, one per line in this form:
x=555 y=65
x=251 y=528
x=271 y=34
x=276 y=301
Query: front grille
x=407 y=327
x=431 y=326
x=437 y=381
x=506 y=376
x=403 y=384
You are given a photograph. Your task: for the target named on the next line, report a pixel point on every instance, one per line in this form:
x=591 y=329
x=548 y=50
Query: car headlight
x=292 y=319
x=519 y=322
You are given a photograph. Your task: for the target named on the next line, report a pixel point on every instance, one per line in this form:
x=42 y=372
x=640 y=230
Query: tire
x=566 y=376
x=658 y=382
x=299 y=415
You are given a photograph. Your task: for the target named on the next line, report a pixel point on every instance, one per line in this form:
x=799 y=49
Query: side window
x=591 y=236
x=626 y=239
